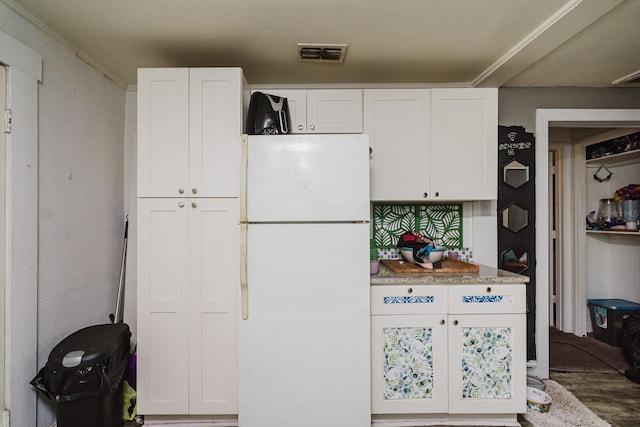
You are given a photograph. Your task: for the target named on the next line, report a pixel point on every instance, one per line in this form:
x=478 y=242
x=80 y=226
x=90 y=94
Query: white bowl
x=538 y=400
x=435 y=255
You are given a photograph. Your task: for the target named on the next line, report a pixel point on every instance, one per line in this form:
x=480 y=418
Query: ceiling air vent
x=310 y=52
x=633 y=78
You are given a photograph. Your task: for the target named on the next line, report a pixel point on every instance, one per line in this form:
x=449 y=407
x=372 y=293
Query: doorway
x=574 y=236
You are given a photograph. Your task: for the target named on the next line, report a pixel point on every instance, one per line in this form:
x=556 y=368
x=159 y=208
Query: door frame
x=24 y=71
x=3 y=89
x=546 y=118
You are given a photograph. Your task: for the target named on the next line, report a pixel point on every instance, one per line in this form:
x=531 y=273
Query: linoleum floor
x=594 y=372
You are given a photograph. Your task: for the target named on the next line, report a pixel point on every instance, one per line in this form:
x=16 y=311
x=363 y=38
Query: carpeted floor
x=566 y=410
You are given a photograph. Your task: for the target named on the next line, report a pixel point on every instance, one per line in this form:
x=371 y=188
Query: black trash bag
x=631 y=346
x=87 y=363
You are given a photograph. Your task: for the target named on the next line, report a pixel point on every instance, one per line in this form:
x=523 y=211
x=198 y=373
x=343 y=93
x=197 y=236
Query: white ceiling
x=490 y=43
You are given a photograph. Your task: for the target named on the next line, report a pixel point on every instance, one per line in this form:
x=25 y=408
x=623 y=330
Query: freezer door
x=305 y=347
x=308 y=178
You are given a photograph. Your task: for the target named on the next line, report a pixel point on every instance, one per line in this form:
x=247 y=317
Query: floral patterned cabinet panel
x=409 y=364
x=487 y=363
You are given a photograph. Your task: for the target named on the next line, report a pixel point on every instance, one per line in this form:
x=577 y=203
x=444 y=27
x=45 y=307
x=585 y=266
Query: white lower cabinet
x=448 y=349
x=188 y=268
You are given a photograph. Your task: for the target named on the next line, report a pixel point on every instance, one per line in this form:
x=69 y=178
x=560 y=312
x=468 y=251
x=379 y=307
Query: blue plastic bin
x=607 y=316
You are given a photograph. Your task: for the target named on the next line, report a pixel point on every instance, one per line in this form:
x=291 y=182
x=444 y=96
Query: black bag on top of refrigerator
x=268 y=115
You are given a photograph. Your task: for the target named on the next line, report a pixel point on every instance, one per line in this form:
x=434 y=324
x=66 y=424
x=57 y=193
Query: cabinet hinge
x=7 y=120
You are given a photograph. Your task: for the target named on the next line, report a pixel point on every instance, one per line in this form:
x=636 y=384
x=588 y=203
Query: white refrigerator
x=304 y=332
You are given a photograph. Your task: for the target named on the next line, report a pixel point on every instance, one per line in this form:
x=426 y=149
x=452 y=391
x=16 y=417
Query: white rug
x=566 y=410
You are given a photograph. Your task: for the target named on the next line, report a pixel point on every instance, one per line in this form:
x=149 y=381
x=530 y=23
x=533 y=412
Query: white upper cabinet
x=323 y=110
x=432 y=144
x=189 y=127
x=398 y=127
x=163 y=132
x=464 y=143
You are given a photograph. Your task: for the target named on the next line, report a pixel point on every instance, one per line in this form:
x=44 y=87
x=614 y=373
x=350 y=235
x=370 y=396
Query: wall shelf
x=619 y=159
x=618 y=232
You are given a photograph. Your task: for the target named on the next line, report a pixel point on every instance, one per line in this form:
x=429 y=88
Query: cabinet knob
x=442 y=321
x=312 y=127
x=181 y=190
x=300 y=127
x=488 y=289
x=425 y=195
x=455 y=323
x=410 y=290
x=370 y=151
x=181 y=204
x=194 y=205
x=194 y=191
x=437 y=194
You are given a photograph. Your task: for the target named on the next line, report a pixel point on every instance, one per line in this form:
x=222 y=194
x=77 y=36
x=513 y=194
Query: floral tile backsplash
x=440 y=222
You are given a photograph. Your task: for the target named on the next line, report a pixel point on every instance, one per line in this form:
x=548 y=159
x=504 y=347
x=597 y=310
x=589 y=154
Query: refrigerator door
x=305 y=178
x=304 y=349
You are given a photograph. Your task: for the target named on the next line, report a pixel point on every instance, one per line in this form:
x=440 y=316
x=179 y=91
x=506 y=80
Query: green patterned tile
x=441 y=222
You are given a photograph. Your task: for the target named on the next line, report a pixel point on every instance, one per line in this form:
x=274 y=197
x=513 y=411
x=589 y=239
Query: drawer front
x=408 y=299
x=487 y=299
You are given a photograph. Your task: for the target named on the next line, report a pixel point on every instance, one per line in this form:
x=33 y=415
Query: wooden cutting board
x=447 y=266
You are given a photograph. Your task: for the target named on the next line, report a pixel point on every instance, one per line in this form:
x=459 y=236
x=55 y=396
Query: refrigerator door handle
x=244 y=284
x=244 y=165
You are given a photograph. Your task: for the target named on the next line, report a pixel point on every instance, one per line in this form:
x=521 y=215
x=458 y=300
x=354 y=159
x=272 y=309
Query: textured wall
x=80 y=194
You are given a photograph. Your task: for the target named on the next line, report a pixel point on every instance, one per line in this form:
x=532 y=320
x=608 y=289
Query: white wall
x=517 y=106
x=80 y=214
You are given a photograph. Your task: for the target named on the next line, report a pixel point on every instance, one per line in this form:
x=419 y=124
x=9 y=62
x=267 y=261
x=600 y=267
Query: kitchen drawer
x=487 y=299
x=408 y=299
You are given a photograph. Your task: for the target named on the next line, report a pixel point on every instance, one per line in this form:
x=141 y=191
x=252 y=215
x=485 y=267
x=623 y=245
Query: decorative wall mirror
x=515 y=174
x=515 y=218
x=515 y=260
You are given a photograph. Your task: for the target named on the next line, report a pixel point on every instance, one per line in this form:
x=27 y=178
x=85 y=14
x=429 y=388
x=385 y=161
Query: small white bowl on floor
x=538 y=400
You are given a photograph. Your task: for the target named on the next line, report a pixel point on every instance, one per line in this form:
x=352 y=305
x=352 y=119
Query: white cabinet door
x=163 y=132
x=214 y=269
x=409 y=364
x=397 y=121
x=464 y=144
x=215 y=128
x=188 y=281
x=189 y=129
x=334 y=111
x=323 y=110
x=163 y=344
x=487 y=363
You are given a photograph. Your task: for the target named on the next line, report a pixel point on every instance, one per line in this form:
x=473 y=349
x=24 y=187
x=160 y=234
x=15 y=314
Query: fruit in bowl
x=425 y=255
